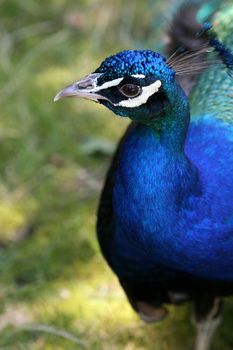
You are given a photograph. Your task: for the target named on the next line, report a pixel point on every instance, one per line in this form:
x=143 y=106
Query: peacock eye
x=130 y=90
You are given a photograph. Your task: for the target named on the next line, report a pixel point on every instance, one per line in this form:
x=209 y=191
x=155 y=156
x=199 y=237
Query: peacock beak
x=85 y=88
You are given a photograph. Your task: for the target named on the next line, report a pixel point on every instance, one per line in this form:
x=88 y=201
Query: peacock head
x=132 y=83
x=141 y=84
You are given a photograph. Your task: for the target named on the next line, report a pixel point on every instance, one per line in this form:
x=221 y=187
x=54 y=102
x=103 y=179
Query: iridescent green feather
x=213 y=93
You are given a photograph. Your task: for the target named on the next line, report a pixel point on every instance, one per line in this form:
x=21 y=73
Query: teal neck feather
x=171 y=125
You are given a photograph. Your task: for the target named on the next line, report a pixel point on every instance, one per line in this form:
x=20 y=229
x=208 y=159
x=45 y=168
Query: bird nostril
x=86 y=84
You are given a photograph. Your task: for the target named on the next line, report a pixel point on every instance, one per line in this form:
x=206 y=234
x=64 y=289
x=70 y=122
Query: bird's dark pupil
x=130 y=90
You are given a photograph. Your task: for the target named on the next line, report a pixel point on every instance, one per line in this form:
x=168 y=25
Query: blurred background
x=56 y=291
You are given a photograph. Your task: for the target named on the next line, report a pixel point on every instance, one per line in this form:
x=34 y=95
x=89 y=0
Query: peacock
x=165 y=218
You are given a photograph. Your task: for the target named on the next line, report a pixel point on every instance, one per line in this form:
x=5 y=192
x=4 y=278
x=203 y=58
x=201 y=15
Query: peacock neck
x=153 y=182
x=153 y=167
x=154 y=175
x=171 y=126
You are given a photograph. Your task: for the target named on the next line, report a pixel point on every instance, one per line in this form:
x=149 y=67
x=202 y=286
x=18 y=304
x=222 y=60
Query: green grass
x=56 y=292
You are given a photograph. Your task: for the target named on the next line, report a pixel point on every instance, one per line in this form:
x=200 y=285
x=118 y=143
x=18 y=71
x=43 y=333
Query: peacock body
x=165 y=220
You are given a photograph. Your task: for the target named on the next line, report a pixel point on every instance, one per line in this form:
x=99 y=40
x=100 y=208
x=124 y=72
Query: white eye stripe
x=109 y=84
x=94 y=87
x=140 y=76
x=147 y=91
x=114 y=82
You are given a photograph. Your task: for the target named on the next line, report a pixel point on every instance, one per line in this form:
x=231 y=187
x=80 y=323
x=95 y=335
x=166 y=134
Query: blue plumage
x=171 y=212
x=148 y=190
